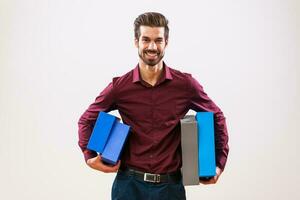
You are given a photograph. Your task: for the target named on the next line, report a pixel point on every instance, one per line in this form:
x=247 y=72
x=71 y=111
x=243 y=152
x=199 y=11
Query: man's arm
x=105 y=101
x=201 y=102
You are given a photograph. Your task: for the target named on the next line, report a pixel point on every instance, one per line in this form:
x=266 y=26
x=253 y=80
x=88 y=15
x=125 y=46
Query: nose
x=152 y=46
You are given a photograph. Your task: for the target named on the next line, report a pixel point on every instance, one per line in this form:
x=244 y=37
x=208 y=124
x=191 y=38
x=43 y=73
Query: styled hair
x=152 y=19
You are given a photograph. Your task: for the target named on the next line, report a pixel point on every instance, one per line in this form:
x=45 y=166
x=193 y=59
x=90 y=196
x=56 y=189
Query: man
x=151 y=98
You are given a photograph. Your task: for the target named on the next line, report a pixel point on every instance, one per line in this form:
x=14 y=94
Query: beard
x=151 y=60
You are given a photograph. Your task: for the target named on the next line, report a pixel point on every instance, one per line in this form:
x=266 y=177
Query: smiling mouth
x=151 y=54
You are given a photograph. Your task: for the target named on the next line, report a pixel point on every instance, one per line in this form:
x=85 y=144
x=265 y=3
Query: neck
x=150 y=74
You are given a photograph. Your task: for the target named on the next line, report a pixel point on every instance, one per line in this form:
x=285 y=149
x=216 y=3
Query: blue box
x=115 y=143
x=206 y=142
x=108 y=137
x=101 y=132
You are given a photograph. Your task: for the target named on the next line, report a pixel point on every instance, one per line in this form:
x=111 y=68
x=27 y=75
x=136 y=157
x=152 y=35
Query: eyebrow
x=158 y=38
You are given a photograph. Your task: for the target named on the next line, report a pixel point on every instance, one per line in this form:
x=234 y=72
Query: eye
x=159 y=41
x=145 y=39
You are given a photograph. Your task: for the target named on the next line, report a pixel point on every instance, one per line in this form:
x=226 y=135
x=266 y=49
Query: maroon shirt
x=154 y=114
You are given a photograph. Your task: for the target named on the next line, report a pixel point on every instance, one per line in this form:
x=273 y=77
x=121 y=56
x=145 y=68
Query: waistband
x=173 y=177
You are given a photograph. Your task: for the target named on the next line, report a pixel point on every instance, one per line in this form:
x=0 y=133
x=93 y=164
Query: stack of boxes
x=198 y=147
x=108 y=137
x=197 y=143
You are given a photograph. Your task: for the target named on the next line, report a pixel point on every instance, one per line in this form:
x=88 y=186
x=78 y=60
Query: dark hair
x=152 y=19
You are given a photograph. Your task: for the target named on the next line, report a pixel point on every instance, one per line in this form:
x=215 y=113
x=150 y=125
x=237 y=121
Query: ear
x=136 y=43
x=167 y=42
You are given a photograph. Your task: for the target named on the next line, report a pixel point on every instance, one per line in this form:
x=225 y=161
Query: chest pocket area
x=164 y=114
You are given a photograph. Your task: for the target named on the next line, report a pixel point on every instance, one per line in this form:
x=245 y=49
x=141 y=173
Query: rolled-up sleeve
x=200 y=102
x=105 y=101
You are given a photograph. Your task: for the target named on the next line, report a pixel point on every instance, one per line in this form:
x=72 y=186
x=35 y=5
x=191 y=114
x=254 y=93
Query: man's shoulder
x=185 y=78
x=125 y=78
x=177 y=74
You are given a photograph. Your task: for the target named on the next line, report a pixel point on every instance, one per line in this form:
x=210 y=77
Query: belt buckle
x=153 y=178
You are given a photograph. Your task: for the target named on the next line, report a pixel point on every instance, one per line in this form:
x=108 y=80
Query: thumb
x=99 y=158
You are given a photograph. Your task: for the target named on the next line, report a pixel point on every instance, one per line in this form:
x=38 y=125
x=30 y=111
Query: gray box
x=189 y=146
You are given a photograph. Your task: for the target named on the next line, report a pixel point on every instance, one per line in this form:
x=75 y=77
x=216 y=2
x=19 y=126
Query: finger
x=107 y=168
x=116 y=167
x=119 y=163
x=218 y=171
x=206 y=182
x=92 y=161
x=210 y=181
x=217 y=177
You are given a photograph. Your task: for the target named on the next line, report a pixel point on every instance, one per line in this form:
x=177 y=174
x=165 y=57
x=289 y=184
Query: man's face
x=151 y=44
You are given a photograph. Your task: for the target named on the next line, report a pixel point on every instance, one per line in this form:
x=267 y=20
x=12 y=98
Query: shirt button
x=151 y=156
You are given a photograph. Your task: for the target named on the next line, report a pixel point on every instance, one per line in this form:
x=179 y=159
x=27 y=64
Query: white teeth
x=151 y=54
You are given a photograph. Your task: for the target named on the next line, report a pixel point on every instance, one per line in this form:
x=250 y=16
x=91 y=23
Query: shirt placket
x=152 y=103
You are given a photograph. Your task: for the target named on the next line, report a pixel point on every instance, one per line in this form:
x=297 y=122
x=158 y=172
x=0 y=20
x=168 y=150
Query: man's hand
x=214 y=179
x=97 y=164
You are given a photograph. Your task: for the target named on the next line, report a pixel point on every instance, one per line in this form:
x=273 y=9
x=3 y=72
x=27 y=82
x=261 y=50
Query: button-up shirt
x=154 y=113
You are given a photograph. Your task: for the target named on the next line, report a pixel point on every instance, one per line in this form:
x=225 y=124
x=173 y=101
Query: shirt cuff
x=89 y=154
x=221 y=162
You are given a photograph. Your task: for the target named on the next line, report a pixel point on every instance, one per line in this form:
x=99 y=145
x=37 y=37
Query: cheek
x=161 y=49
x=142 y=48
x=141 y=44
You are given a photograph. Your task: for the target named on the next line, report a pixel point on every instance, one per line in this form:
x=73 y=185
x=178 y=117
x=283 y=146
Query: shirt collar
x=166 y=73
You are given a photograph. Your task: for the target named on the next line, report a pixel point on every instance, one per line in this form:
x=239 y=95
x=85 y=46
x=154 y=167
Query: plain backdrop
x=56 y=56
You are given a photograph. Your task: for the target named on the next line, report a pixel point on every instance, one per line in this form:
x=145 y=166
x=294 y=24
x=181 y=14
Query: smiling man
x=152 y=98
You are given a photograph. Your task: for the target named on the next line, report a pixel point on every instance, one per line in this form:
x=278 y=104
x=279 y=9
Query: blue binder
x=206 y=144
x=108 y=137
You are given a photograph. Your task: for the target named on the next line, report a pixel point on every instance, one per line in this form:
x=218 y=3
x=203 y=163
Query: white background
x=57 y=55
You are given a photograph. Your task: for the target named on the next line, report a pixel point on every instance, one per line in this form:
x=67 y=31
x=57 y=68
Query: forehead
x=152 y=32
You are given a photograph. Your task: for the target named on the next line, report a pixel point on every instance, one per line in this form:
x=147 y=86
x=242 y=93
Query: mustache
x=151 y=51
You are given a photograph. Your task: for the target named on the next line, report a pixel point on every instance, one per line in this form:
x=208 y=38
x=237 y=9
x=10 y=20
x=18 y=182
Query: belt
x=173 y=177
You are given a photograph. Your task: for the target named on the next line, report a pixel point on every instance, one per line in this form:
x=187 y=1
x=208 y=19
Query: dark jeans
x=126 y=187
